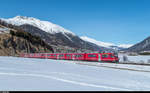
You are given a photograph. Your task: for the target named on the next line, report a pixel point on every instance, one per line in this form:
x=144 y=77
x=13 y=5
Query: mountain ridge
x=106 y=44
x=43 y=25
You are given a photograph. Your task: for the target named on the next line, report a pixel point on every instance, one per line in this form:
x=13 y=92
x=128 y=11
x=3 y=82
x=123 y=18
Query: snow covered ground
x=58 y=75
x=136 y=59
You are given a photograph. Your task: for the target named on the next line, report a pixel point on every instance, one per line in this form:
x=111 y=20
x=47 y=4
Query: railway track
x=129 y=63
x=132 y=63
x=121 y=66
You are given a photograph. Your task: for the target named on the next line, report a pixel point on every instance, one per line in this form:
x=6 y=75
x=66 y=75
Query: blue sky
x=114 y=21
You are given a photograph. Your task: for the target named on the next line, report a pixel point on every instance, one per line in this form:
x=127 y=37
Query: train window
x=68 y=55
x=42 y=55
x=54 y=55
x=111 y=56
x=104 y=56
x=49 y=55
x=61 y=55
x=91 y=55
x=78 y=55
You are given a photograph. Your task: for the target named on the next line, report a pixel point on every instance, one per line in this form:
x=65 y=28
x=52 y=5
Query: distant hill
x=141 y=46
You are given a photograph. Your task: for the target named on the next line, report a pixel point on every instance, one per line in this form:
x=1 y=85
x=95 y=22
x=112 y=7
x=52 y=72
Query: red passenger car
x=78 y=56
x=61 y=56
x=92 y=57
x=110 y=57
x=68 y=56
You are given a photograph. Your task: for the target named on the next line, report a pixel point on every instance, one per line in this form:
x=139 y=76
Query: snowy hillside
x=104 y=44
x=22 y=74
x=43 y=25
x=125 y=45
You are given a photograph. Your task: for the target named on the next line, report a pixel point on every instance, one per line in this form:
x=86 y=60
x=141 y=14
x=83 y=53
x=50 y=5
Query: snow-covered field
x=136 y=59
x=29 y=74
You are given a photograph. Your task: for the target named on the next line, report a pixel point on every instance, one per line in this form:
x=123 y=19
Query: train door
x=99 y=57
x=46 y=56
x=73 y=56
x=105 y=57
x=57 y=56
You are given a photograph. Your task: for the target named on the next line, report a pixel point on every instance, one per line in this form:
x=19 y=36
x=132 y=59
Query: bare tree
x=125 y=58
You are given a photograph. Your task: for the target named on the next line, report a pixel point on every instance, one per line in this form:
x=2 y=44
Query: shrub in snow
x=148 y=61
x=125 y=58
x=141 y=61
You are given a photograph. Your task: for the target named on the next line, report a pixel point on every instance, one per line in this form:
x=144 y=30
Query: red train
x=109 y=57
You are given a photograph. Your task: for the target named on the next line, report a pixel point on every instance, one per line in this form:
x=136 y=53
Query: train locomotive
x=99 y=57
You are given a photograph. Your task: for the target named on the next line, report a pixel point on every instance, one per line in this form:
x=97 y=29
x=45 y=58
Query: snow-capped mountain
x=105 y=44
x=52 y=34
x=43 y=25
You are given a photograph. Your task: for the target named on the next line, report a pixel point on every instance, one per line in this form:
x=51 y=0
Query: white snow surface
x=104 y=44
x=21 y=74
x=125 y=45
x=136 y=59
x=43 y=25
x=100 y=43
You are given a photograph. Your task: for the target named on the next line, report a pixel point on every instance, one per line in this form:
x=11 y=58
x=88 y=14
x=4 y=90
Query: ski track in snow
x=63 y=80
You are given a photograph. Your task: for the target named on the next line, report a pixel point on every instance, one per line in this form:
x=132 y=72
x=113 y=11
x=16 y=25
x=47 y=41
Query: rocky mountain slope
x=141 y=46
x=15 y=41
